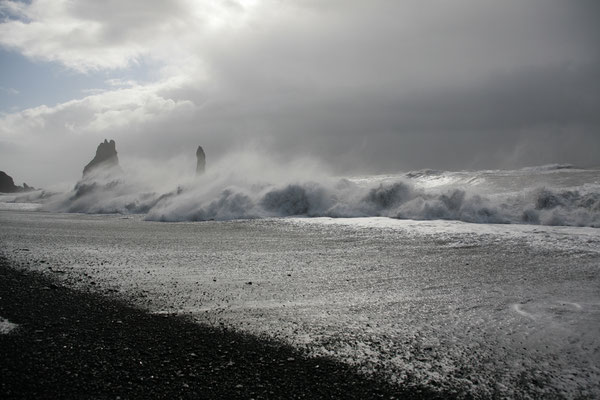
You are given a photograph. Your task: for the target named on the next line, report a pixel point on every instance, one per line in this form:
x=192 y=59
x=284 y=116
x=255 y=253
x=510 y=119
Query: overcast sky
x=366 y=86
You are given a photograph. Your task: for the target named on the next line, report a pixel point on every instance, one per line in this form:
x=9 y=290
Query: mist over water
x=252 y=185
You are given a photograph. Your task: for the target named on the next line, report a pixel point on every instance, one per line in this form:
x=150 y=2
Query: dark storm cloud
x=410 y=85
x=533 y=115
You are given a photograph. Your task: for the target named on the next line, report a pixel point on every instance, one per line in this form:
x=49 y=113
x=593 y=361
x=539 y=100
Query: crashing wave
x=227 y=193
x=548 y=167
x=342 y=199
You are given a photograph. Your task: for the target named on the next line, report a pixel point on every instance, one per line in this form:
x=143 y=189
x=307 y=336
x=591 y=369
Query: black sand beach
x=73 y=344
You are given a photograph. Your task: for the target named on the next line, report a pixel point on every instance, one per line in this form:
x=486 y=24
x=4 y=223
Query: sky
x=377 y=86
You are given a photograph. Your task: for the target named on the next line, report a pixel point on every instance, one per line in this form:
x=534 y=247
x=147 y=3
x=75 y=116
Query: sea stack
x=7 y=184
x=106 y=158
x=201 y=164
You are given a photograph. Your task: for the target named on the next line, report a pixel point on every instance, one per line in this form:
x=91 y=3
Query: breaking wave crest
x=226 y=196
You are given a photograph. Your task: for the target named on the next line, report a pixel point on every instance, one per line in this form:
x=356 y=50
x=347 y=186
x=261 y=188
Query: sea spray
x=255 y=187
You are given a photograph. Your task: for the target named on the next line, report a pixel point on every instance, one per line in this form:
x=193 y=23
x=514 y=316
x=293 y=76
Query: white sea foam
x=247 y=186
x=6 y=326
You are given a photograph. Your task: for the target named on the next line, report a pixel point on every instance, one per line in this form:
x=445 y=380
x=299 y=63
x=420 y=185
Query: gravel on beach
x=74 y=344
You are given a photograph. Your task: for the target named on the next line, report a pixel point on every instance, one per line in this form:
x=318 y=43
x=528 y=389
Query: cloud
x=67 y=134
x=365 y=86
x=12 y=91
x=89 y=35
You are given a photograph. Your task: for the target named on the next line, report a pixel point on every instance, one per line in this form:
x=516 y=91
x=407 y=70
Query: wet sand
x=75 y=344
x=488 y=311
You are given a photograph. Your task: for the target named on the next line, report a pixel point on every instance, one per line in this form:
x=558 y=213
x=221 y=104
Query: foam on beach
x=443 y=303
x=6 y=326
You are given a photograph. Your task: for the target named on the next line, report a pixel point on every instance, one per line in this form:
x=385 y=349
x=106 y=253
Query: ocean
x=483 y=283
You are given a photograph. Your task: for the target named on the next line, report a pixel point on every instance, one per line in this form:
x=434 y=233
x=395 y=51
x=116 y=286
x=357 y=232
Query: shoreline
x=73 y=344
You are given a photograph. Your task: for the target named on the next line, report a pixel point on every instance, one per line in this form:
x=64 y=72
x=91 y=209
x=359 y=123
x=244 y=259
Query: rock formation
x=7 y=184
x=200 y=166
x=106 y=158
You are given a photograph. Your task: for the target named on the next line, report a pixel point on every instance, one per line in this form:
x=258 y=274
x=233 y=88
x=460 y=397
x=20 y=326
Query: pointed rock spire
x=106 y=157
x=201 y=164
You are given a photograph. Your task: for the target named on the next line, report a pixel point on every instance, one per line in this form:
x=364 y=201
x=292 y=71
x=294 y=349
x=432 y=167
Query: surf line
x=520 y=311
